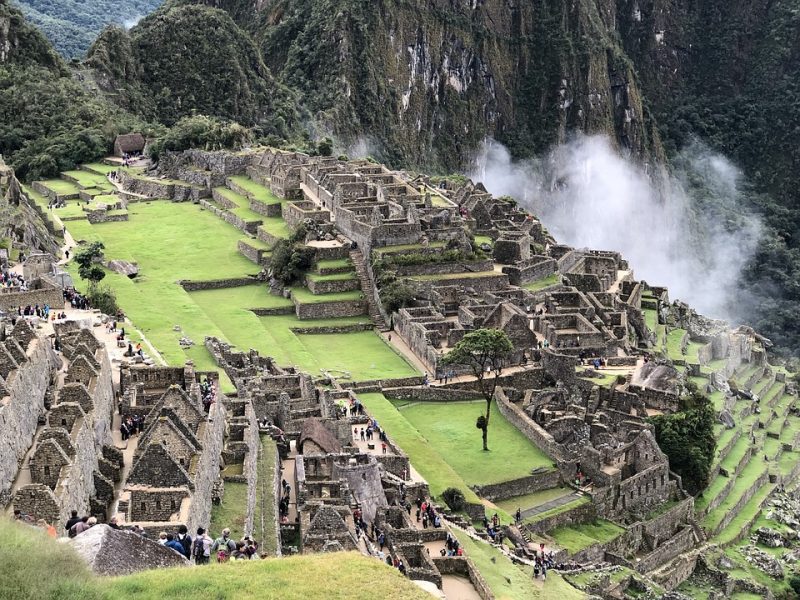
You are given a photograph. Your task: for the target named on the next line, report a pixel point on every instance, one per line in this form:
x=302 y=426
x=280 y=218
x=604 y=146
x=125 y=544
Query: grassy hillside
x=35 y=567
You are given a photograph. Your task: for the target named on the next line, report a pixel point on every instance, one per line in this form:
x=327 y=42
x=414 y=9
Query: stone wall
x=330 y=310
x=252 y=253
x=534 y=269
x=50 y=295
x=21 y=408
x=216 y=284
x=207 y=471
x=529 y=428
x=463 y=565
x=443 y=268
x=332 y=286
x=103 y=216
x=676 y=545
x=519 y=487
x=250 y=227
x=584 y=513
x=427 y=394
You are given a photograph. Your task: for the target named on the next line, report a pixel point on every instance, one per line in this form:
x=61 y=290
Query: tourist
x=401 y=567
x=162 y=538
x=82 y=525
x=383 y=447
x=72 y=520
x=174 y=544
x=518 y=516
x=185 y=540
x=49 y=529
x=224 y=546
x=113 y=523
x=201 y=547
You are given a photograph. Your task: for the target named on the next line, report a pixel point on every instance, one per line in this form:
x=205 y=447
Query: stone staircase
x=357 y=258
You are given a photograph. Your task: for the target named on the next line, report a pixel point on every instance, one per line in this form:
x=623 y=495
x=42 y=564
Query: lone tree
x=485 y=352
x=87 y=266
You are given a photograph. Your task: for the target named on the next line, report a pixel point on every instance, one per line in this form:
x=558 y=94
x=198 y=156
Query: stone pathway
x=555 y=503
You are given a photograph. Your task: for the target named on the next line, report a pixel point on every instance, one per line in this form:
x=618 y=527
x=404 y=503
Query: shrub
x=102 y=297
x=454 y=498
x=290 y=261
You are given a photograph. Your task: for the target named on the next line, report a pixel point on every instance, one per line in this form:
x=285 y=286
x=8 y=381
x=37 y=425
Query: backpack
x=186 y=543
x=199 y=547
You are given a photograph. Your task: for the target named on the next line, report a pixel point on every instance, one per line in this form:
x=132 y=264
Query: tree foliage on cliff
x=687 y=438
x=72 y=25
x=187 y=59
x=49 y=122
x=200 y=132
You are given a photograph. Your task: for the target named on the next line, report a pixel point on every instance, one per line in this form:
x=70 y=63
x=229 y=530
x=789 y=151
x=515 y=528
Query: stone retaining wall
x=463 y=565
x=519 y=487
x=584 y=513
x=353 y=328
x=427 y=394
x=333 y=286
x=250 y=227
x=262 y=208
x=215 y=284
x=444 y=268
x=532 y=272
x=102 y=216
x=257 y=255
x=529 y=428
x=331 y=310
x=676 y=545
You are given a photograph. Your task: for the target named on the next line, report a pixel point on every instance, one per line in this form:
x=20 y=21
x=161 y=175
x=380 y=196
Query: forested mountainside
x=72 y=25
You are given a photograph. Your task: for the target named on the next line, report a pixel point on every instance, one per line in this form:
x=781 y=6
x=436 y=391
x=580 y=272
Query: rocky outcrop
x=110 y=551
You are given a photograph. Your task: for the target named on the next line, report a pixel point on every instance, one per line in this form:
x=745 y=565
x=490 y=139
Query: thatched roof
x=313 y=430
x=129 y=142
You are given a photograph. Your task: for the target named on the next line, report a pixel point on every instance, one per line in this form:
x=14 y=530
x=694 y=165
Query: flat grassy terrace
x=61 y=186
x=450 y=428
x=101 y=168
x=425 y=457
x=541 y=284
x=532 y=500
x=230 y=512
x=180 y=241
x=258 y=191
x=406 y=248
x=304 y=296
x=242 y=210
x=578 y=537
x=87 y=179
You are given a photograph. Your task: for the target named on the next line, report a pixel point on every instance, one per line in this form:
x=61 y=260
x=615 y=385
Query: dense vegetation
x=49 y=122
x=72 y=25
x=687 y=438
x=187 y=60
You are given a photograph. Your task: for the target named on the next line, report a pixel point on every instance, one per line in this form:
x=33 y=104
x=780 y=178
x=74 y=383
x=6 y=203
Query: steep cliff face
x=22 y=44
x=426 y=80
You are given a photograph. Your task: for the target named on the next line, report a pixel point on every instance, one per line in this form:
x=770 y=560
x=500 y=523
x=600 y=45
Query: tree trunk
x=486 y=426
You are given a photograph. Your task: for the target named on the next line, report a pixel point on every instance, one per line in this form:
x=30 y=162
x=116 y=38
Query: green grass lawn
x=333 y=277
x=101 y=168
x=264 y=519
x=674 y=339
x=35 y=567
x=424 y=456
x=230 y=512
x=163 y=238
x=258 y=191
x=61 y=186
x=541 y=284
x=87 y=179
x=275 y=226
x=336 y=263
x=407 y=247
x=578 y=537
x=509 y=581
x=450 y=427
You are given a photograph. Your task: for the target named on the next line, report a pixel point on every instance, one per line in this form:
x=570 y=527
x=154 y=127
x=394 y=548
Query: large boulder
x=110 y=551
x=123 y=268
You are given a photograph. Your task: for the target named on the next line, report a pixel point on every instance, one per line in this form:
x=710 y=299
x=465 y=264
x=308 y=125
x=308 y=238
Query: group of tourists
x=283 y=504
x=368 y=434
x=207 y=394
x=43 y=312
x=76 y=299
x=542 y=561
x=452 y=547
x=131 y=425
x=493 y=528
x=202 y=548
x=426 y=514
x=13 y=280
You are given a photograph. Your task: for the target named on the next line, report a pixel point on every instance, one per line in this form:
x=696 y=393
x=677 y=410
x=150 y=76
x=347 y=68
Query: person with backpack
x=224 y=546
x=174 y=544
x=201 y=547
x=185 y=540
